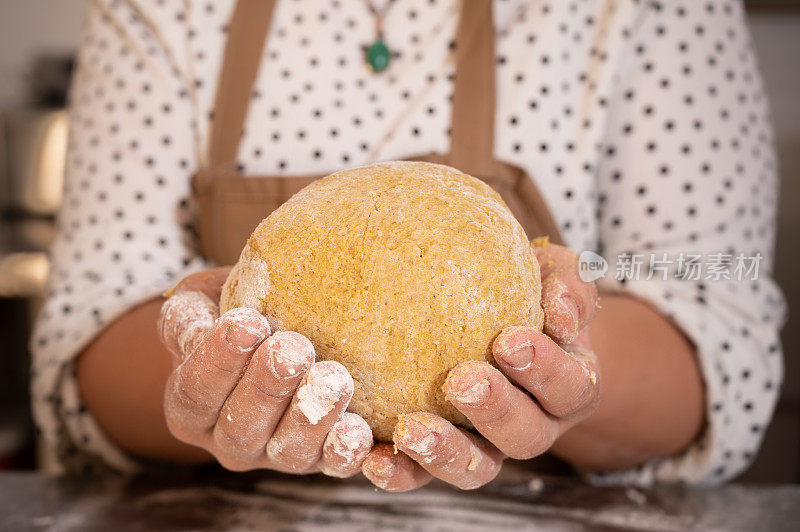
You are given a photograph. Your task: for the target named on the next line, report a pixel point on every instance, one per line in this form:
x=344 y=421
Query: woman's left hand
x=549 y=382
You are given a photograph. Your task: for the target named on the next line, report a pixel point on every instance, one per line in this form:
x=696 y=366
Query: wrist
x=651 y=402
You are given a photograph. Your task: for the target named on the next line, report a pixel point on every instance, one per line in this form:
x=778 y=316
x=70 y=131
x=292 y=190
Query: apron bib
x=230 y=205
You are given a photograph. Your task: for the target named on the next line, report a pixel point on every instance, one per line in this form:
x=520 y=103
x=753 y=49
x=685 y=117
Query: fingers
x=565 y=383
x=324 y=393
x=198 y=387
x=502 y=413
x=446 y=452
x=184 y=320
x=255 y=406
x=392 y=470
x=190 y=311
x=346 y=446
x=553 y=258
x=208 y=282
x=569 y=303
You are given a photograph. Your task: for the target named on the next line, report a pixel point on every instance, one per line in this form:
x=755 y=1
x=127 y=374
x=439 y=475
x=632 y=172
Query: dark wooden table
x=518 y=501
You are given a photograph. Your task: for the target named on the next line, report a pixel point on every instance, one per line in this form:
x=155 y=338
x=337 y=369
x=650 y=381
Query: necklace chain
x=382 y=12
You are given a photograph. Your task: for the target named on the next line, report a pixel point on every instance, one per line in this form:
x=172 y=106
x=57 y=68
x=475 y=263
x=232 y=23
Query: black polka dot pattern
x=644 y=124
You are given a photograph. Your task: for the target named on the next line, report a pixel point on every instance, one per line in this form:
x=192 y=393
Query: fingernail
x=348 y=436
x=416 y=437
x=325 y=383
x=519 y=359
x=242 y=330
x=288 y=354
x=380 y=469
x=243 y=338
x=469 y=390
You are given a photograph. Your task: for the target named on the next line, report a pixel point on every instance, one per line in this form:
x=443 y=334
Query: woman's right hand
x=253 y=399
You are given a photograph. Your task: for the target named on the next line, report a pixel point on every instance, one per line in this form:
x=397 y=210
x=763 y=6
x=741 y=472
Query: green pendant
x=378 y=55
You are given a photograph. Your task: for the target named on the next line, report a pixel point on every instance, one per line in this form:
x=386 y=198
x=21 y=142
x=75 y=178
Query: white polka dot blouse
x=643 y=123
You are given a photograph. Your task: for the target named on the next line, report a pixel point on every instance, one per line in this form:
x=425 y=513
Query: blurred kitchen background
x=37 y=44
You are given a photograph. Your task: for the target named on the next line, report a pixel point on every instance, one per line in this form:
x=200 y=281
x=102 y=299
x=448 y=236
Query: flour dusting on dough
x=325 y=384
x=250 y=282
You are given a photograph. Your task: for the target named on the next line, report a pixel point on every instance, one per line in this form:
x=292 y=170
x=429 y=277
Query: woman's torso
x=317 y=108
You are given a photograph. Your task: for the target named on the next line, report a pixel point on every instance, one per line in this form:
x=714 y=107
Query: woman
x=642 y=124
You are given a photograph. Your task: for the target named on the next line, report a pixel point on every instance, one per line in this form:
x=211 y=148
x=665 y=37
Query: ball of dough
x=399 y=271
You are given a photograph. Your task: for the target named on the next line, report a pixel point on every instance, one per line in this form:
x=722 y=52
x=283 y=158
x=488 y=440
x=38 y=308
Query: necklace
x=378 y=55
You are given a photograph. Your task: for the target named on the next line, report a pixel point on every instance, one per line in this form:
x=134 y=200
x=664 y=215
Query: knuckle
x=569 y=410
x=267 y=391
x=495 y=416
x=214 y=356
x=223 y=363
x=186 y=402
x=188 y=397
x=530 y=447
x=289 y=458
x=235 y=441
x=181 y=430
x=546 y=377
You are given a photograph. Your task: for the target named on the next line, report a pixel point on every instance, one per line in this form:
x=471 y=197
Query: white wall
x=777 y=39
x=28 y=28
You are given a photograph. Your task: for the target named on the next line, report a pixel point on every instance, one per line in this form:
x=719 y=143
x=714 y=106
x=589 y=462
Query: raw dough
x=399 y=271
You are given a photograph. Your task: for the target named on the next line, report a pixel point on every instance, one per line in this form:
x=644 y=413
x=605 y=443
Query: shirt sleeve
x=688 y=177
x=124 y=230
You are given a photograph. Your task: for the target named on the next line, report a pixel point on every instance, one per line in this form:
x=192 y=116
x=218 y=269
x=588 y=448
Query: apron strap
x=246 y=35
x=472 y=121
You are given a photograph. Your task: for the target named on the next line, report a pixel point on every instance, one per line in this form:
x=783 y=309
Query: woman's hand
x=251 y=398
x=549 y=382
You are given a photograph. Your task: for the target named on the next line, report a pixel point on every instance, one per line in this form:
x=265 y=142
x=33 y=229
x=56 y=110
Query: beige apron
x=231 y=205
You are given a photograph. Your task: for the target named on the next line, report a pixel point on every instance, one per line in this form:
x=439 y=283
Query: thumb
x=209 y=282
